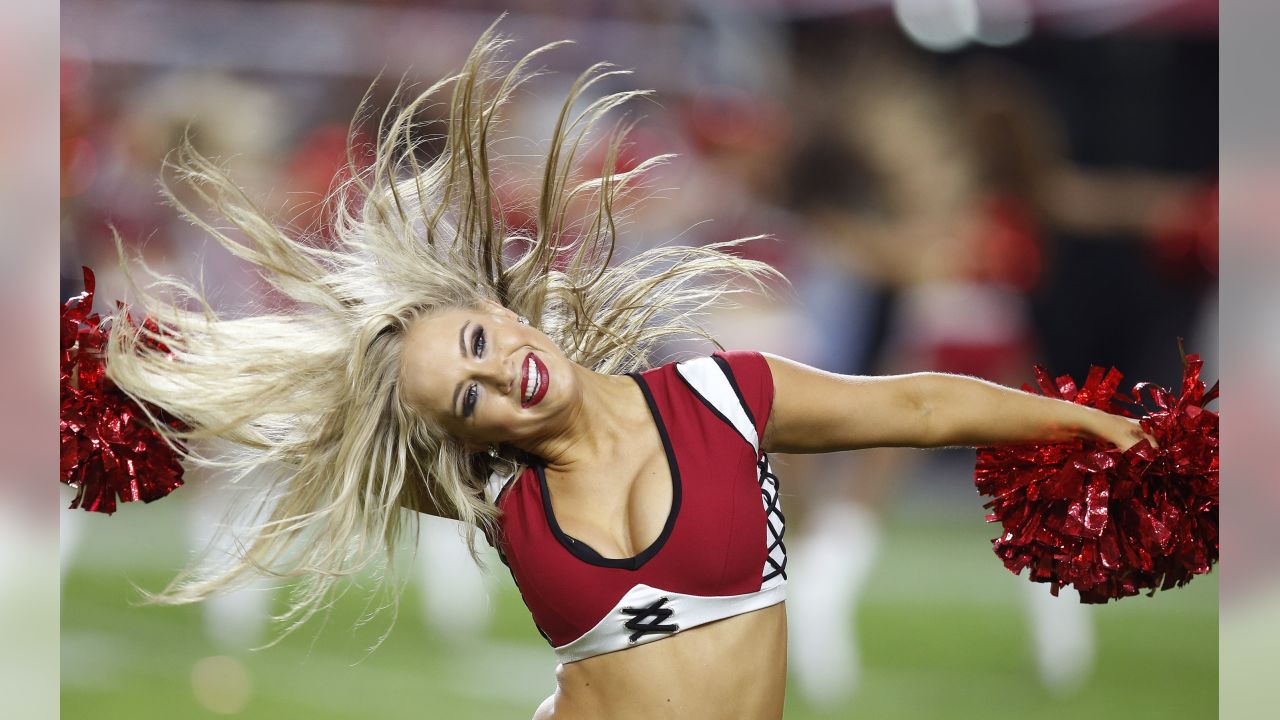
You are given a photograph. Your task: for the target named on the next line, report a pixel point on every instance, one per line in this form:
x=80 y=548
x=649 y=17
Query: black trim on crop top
x=588 y=554
x=733 y=382
x=714 y=410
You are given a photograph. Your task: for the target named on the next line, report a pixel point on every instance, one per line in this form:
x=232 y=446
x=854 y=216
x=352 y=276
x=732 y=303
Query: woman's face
x=485 y=377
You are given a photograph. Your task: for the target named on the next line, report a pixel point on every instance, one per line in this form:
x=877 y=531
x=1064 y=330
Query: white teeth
x=531 y=387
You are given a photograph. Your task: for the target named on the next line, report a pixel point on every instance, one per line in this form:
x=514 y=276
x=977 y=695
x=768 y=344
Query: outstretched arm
x=817 y=411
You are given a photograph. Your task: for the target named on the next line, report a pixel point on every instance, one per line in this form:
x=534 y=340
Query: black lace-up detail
x=776 y=523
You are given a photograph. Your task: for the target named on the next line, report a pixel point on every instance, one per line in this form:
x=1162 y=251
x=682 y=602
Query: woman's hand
x=1122 y=432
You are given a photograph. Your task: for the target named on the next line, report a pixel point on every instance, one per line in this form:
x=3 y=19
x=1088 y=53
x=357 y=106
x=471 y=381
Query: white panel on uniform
x=709 y=381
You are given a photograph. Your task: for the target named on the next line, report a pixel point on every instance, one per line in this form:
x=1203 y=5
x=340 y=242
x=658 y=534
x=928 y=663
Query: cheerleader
x=438 y=361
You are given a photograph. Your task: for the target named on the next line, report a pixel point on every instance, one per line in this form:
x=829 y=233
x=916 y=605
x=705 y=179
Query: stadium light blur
x=1004 y=22
x=938 y=25
x=949 y=25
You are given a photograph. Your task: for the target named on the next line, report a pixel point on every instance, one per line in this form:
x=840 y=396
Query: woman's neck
x=611 y=410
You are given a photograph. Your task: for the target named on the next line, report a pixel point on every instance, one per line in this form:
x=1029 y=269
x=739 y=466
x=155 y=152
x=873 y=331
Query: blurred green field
x=943 y=633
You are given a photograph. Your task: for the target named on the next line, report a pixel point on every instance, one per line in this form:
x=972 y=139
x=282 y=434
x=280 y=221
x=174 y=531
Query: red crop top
x=720 y=552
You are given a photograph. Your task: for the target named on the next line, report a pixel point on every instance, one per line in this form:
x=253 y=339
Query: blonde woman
x=441 y=363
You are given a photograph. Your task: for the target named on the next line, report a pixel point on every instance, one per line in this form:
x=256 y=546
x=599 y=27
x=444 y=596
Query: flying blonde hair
x=311 y=395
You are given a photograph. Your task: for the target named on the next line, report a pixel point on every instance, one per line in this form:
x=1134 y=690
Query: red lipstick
x=533 y=381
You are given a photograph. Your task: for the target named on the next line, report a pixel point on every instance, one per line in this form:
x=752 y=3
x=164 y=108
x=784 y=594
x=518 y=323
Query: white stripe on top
x=709 y=381
x=683 y=611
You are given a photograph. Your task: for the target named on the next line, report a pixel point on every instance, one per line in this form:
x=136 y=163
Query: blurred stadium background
x=964 y=185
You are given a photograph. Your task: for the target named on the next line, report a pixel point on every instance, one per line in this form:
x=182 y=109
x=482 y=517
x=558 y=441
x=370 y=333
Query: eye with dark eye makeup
x=478 y=343
x=469 y=400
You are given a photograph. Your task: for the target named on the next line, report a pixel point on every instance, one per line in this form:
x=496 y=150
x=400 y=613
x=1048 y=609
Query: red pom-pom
x=109 y=448
x=1111 y=523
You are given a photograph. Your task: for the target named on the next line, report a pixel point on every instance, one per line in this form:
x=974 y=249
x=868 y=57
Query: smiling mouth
x=533 y=381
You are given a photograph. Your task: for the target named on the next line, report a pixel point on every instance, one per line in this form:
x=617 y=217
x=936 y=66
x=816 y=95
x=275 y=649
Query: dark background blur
x=955 y=185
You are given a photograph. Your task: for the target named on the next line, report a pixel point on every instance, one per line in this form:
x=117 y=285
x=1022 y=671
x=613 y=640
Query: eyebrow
x=462 y=351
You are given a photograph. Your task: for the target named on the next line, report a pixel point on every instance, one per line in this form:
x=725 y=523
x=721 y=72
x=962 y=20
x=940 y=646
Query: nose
x=498 y=373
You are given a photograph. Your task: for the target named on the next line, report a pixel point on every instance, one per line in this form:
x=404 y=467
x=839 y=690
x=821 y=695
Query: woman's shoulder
x=724 y=380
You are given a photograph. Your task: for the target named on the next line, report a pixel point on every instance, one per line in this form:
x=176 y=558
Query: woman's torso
x=692 y=625
x=731 y=669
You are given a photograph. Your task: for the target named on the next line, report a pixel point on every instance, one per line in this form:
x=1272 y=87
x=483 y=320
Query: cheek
x=492 y=426
x=510 y=428
x=477 y=442
x=564 y=387
x=514 y=426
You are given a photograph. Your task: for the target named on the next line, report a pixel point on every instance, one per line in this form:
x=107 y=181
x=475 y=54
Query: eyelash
x=478 y=343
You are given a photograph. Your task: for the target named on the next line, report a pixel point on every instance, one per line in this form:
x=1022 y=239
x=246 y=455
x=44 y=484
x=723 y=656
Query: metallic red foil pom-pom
x=109 y=449
x=1111 y=523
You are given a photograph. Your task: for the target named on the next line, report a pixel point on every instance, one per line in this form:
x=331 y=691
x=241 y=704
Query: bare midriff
x=733 y=669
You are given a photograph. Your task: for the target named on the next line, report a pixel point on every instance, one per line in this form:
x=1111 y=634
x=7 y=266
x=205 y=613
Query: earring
x=493 y=452
x=522 y=320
